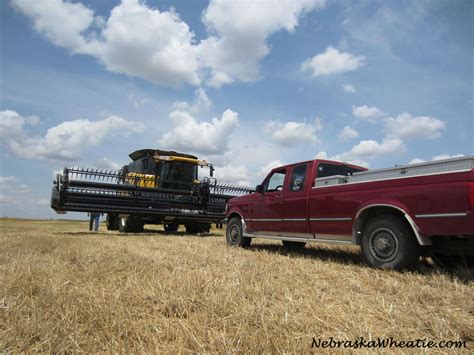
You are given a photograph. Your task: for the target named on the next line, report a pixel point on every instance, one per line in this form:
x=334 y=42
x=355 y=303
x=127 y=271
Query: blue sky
x=247 y=85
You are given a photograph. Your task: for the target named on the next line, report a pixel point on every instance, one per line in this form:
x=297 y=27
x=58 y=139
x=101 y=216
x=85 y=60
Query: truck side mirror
x=259 y=189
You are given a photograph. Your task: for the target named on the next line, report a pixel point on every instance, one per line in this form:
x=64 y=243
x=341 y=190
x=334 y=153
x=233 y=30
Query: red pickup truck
x=396 y=215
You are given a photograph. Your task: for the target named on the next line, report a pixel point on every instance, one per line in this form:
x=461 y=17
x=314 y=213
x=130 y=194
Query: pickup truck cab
x=394 y=214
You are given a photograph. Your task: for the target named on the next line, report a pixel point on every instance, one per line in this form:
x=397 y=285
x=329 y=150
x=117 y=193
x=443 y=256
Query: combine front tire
x=389 y=243
x=130 y=225
x=234 y=234
x=171 y=227
x=112 y=221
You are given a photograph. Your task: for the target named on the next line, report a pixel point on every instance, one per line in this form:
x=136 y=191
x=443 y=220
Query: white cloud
x=138 y=101
x=349 y=88
x=11 y=190
x=396 y=131
x=447 y=156
x=368 y=149
x=201 y=103
x=201 y=137
x=233 y=174
x=158 y=46
x=369 y=113
x=66 y=141
x=62 y=23
x=292 y=133
x=416 y=161
x=347 y=158
x=7 y=181
x=332 y=62
x=107 y=164
x=371 y=148
x=348 y=133
x=136 y=40
x=144 y=42
x=239 y=32
x=406 y=126
x=344 y=157
x=437 y=157
x=264 y=170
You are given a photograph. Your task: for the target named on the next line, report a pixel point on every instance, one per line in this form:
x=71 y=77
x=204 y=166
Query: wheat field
x=65 y=289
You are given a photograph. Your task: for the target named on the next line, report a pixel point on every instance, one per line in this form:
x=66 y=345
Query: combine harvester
x=157 y=187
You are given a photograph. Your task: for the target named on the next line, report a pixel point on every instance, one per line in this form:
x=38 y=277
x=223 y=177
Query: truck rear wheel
x=293 y=245
x=389 y=243
x=234 y=234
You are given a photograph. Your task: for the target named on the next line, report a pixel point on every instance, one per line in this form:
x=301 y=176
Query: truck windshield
x=325 y=169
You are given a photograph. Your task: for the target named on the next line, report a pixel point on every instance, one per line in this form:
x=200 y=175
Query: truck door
x=268 y=210
x=295 y=201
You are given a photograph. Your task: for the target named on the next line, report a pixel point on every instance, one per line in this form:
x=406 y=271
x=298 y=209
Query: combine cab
x=157 y=187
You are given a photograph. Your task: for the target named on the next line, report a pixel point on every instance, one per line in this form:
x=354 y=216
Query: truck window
x=325 y=169
x=275 y=182
x=298 y=177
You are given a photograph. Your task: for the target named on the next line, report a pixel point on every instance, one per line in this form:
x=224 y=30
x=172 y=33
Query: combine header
x=157 y=187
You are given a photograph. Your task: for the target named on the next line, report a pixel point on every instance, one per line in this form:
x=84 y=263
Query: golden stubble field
x=65 y=289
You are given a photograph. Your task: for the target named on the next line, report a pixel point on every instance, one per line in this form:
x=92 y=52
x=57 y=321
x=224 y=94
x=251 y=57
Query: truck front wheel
x=389 y=243
x=234 y=234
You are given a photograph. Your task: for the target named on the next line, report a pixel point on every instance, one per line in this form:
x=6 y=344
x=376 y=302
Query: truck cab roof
x=315 y=161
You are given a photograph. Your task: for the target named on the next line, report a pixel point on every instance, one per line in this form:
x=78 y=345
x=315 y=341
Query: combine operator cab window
x=275 y=182
x=298 y=178
x=144 y=165
x=331 y=170
x=179 y=175
x=148 y=166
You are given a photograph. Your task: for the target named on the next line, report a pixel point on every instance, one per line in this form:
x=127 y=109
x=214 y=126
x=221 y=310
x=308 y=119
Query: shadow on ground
x=425 y=267
x=147 y=232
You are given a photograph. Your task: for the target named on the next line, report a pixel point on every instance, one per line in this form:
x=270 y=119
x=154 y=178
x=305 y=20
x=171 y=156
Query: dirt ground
x=65 y=289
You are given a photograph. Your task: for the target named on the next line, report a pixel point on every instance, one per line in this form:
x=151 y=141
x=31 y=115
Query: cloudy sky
x=245 y=84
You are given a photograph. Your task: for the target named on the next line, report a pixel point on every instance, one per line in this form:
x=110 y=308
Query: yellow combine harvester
x=156 y=187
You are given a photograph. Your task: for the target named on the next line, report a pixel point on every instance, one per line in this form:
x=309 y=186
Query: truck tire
x=130 y=225
x=389 y=243
x=234 y=234
x=112 y=221
x=290 y=245
x=171 y=227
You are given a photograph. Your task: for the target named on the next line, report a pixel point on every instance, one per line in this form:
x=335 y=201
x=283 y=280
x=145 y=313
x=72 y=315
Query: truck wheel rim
x=234 y=234
x=383 y=245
